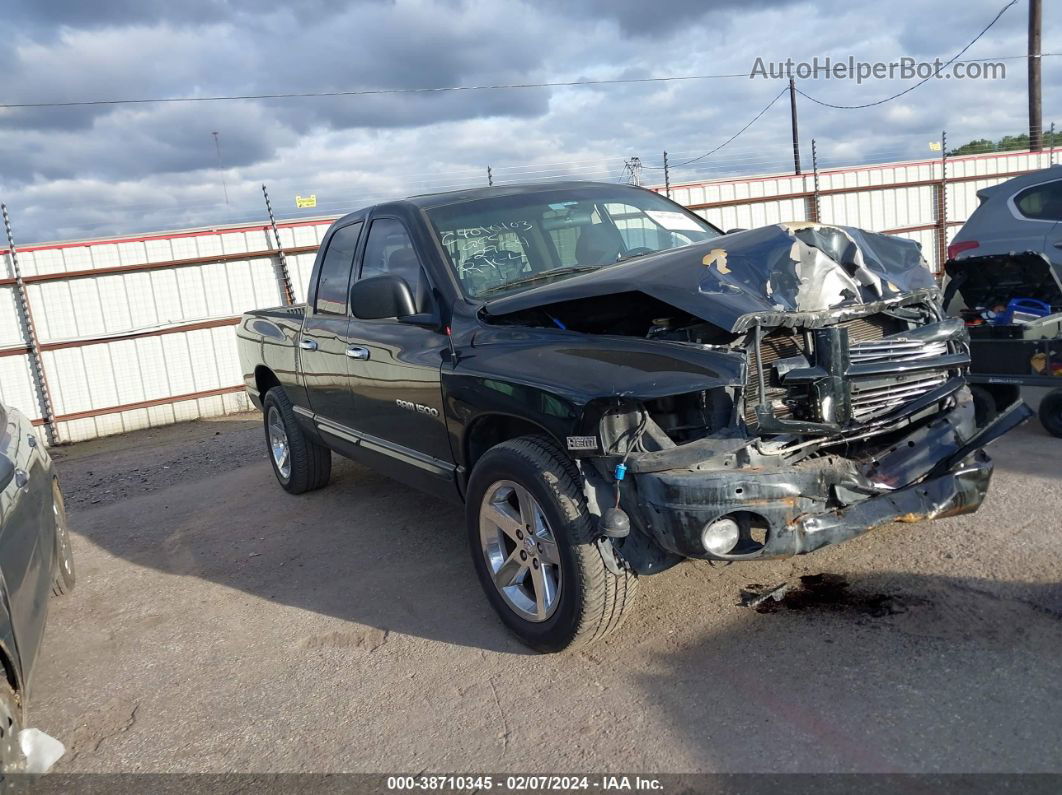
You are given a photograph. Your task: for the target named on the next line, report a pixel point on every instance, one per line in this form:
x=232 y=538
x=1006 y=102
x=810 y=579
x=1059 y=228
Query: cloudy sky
x=104 y=169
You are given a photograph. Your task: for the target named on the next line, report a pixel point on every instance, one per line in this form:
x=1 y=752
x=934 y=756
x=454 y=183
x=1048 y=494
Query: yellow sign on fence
x=306 y=201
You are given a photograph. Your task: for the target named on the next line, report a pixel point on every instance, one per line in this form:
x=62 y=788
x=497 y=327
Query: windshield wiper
x=537 y=277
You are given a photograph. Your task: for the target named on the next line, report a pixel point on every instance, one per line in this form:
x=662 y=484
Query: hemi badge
x=582 y=442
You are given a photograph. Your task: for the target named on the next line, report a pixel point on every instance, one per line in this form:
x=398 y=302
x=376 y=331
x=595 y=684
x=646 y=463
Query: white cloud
x=72 y=172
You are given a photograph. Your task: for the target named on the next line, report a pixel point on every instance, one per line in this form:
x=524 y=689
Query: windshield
x=507 y=243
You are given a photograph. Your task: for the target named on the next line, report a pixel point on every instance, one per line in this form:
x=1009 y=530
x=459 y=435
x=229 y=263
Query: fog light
x=721 y=536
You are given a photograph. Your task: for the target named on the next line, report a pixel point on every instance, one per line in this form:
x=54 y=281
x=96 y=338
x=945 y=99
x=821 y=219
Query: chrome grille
x=871 y=398
x=873 y=340
x=785 y=343
x=896 y=350
x=870 y=401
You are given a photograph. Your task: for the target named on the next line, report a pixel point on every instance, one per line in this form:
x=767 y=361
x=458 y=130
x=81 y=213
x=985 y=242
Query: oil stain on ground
x=822 y=593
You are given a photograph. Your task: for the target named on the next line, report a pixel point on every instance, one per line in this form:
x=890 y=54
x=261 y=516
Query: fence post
x=29 y=336
x=667 y=177
x=490 y=177
x=942 y=232
x=287 y=295
x=816 y=214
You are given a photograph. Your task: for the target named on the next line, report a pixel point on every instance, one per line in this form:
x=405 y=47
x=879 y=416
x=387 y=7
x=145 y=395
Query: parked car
x=611 y=386
x=1004 y=274
x=35 y=561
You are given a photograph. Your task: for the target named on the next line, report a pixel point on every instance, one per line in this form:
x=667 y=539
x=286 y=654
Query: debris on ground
x=820 y=592
x=40 y=750
x=755 y=595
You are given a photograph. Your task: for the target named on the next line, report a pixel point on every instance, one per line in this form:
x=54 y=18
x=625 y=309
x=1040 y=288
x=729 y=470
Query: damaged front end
x=851 y=408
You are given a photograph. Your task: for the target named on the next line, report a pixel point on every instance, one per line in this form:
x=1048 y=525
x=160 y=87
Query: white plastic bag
x=41 y=750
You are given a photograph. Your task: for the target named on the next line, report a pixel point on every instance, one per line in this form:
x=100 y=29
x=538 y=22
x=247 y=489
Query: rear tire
x=524 y=496
x=300 y=463
x=1051 y=412
x=64 y=555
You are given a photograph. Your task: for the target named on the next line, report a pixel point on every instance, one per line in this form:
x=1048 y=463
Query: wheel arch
x=9 y=656
x=493 y=428
x=9 y=668
x=1002 y=394
x=264 y=380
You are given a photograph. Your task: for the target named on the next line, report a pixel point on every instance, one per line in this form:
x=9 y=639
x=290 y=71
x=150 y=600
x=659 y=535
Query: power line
x=487 y=87
x=752 y=121
x=371 y=91
x=921 y=82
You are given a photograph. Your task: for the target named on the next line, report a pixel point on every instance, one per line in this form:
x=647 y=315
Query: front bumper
x=937 y=470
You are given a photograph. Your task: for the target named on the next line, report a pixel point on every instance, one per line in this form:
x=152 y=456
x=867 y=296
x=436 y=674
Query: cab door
x=324 y=339
x=395 y=371
x=27 y=534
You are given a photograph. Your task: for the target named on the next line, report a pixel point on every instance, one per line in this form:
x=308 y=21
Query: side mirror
x=736 y=229
x=379 y=297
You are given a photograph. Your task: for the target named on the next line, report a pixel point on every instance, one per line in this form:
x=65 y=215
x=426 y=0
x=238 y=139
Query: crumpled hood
x=784 y=274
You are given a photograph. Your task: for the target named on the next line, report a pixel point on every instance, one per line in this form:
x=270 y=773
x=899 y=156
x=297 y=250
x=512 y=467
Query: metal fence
x=924 y=200
x=105 y=336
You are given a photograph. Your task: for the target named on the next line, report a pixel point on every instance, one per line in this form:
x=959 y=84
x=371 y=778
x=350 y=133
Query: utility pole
x=221 y=170
x=796 y=133
x=633 y=169
x=1036 y=138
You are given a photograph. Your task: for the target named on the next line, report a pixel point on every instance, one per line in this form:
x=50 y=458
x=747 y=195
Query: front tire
x=533 y=548
x=11 y=758
x=300 y=463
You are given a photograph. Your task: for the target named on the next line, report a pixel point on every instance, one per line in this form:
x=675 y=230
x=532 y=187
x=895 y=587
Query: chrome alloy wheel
x=520 y=550
x=278 y=443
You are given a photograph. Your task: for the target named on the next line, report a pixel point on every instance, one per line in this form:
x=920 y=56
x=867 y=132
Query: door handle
x=357 y=352
x=1058 y=244
x=21 y=478
x=308 y=345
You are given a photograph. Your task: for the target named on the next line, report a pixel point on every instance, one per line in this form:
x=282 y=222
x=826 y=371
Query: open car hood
x=784 y=274
x=995 y=279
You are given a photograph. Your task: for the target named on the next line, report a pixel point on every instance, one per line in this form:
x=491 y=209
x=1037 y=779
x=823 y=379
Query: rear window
x=1041 y=202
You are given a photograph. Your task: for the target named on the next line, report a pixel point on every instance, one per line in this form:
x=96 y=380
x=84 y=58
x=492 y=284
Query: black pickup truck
x=611 y=385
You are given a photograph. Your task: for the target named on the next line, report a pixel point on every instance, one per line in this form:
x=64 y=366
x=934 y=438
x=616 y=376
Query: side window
x=389 y=250
x=335 y=270
x=1042 y=202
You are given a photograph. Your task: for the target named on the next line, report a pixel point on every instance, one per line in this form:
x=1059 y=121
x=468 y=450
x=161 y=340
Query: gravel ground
x=220 y=625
